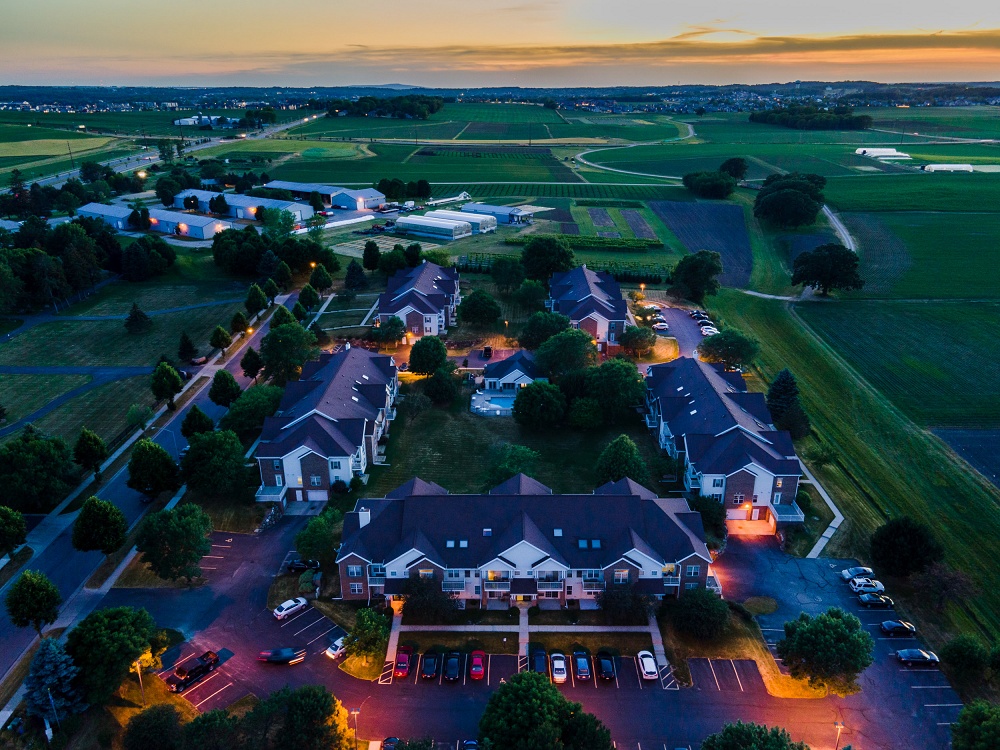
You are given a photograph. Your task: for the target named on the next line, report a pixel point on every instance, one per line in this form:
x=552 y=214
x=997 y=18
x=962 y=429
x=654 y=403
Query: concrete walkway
x=523 y=630
x=658 y=651
x=458 y=628
x=838 y=517
x=394 y=631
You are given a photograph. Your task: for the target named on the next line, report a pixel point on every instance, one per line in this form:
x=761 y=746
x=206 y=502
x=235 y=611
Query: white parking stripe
x=930 y=687
x=314 y=622
x=213 y=557
x=321 y=635
x=943 y=705
x=224 y=546
x=289 y=622
x=638 y=672
x=717 y=686
x=738 y=680
x=213 y=695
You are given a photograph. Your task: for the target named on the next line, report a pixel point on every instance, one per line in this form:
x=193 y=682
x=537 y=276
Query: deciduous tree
x=100 y=526
x=830 y=649
x=977 y=728
x=220 y=339
x=196 y=421
x=186 y=350
x=542 y=326
x=33 y=600
x=172 y=542
x=543 y=256
x=284 y=350
x=251 y=364
x=423 y=599
x=309 y=297
x=428 y=355
x=90 y=452
x=718 y=185
x=740 y=736
x=967 y=657
x=214 y=730
x=390 y=331
x=320 y=278
x=369 y=635
x=151 y=469
x=238 y=324
x=479 y=309
x=13 y=530
x=637 y=340
x=317 y=539
x=104 y=646
x=619 y=387
x=736 y=167
x=730 y=348
x=539 y=406
x=507 y=460
x=215 y=466
x=828 y=267
x=696 y=276
x=224 y=388
x=156 y=728
x=621 y=459
x=34 y=470
x=442 y=386
x=507 y=273
x=271 y=290
x=370 y=255
x=567 y=351
x=282 y=316
x=903 y=546
x=531 y=295
x=699 y=612
x=165 y=384
x=246 y=415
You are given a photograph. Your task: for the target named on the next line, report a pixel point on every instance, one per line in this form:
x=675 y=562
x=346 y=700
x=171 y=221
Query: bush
x=967 y=657
x=903 y=546
x=701 y=614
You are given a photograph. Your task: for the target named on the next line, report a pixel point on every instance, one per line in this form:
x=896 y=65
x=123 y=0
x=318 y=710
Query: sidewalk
x=838 y=517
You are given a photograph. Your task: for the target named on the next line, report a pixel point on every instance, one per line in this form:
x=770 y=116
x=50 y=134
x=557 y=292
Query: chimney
x=364 y=516
x=347 y=346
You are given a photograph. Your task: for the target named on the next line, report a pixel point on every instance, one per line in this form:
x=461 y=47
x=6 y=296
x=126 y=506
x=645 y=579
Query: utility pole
x=138 y=671
x=72 y=162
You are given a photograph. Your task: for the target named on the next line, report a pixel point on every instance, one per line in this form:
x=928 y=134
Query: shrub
x=700 y=613
x=967 y=657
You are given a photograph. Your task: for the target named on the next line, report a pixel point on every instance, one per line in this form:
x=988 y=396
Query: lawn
x=151 y=123
x=433 y=640
x=960 y=192
x=619 y=644
x=449 y=446
x=913 y=353
x=228 y=515
x=24 y=394
x=101 y=409
x=884 y=465
x=505 y=192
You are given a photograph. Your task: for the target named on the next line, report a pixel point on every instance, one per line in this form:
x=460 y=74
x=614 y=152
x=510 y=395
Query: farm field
x=926 y=254
x=719 y=227
x=915 y=192
x=735 y=127
x=884 y=464
x=30 y=149
x=934 y=361
x=132 y=124
x=955 y=122
x=508 y=192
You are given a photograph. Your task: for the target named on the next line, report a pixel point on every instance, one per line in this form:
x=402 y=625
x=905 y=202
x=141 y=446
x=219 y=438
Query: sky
x=468 y=43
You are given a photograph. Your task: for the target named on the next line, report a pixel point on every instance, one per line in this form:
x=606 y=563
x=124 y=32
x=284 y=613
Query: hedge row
x=581 y=242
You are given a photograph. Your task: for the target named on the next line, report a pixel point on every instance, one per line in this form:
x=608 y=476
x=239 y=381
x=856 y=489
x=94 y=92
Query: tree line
x=411 y=106
x=813 y=118
x=96 y=184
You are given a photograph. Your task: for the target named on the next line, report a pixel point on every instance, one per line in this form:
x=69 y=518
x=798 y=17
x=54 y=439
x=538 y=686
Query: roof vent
x=557 y=532
x=463 y=543
x=693 y=412
x=487 y=532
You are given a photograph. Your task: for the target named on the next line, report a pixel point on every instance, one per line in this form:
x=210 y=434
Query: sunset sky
x=501 y=42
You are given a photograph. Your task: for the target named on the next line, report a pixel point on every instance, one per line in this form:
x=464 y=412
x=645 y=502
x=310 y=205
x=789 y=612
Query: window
x=717 y=482
x=621 y=575
x=669 y=569
x=569 y=591
x=279 y=480
x=376 y=570
x=777 y=482
x=426 y=573
x=591 y=575
x=690 y=586
x=692 y=570
x=479 y=590
x=582 y=544
x=315 y=480
x=738 y=498
x=450 y=544
x=595 y=543
x=777 y=498
x=335 y=465
x=356 y=588
x=557 y=532
x=277 y=464
x=354 y=571
x=487 y=532
x=453 y=573
x=468 y=574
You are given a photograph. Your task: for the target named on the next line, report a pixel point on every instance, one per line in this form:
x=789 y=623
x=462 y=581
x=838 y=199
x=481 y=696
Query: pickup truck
x=192 y=671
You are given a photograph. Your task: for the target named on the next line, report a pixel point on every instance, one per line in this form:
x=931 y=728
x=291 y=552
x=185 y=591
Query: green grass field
x=124 y=123
x=915 y=192
x=507 y=193
x=102 y=410
x=914 y=354
x=24 y=394
x=955 y=122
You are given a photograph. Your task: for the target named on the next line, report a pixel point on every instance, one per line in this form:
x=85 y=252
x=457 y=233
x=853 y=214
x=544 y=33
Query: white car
x=866 y=586
x=662 y=327
x=647 y=665
x=286 y=609
x=558 y=662
x=851 y=573
x=708 y=332
x=652 y=306
x=336 y=649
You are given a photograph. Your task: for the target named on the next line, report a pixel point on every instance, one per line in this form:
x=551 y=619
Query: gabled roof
x=625 y=486
x=417 y=486
x=468 y=531
x=426 y=288
x=521 y=484
x=523 y=361
x=193 y=220
x=728 y=453
x=118 y=212
x=324 y=437
x=581 y=292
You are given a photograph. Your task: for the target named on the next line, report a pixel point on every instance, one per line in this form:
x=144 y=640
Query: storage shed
x=443 y=229
x=481 y=223
x=503 y=214
x=186 y=225
x=114 y=216
x=948 y=168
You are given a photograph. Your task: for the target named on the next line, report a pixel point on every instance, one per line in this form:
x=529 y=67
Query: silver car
x=850 y=573
x=647 y=665
x=558 y=662
x=289 y=608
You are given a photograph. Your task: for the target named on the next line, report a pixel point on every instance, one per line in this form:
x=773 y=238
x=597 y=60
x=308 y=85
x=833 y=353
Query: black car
x=875 y=601
x=916 y=656
x=390 y=743
x=282 y=655
x=431 y=666
x=299 y=566
x=192 y=672
x=540 y=662
x=581 y=665
x=452 y=666
x=487 y=352
x=898 y=628
x=605 y=665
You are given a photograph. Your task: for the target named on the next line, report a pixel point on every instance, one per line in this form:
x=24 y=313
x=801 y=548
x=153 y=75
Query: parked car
x=191 y=672
x=852 y=573
x=452 y=666
x=581 y=665
x=539 y=661
x=477 y=665
x=283 y=656
x=390 y=743
x=651 y=306
x=299 y=566
x=661 y=327
x=487 y=352
x=558 y=668
x=875 y=601
x=866 y=586
x=647 y=665
x=404 y=655
x=470 y=745
x=199 y=360
x=605 y=664
x=709 y=332
x=894 y=628
x=289 y=608
x=431 y=666
x=917 y=656
x=404 y=366
x=336 y=649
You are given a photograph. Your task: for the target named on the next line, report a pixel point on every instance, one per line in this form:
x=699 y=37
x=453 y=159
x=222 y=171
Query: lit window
x=463 y=543
x=450 y=543
x=557 y=532
x=487 y=532
x=426 y=573
x=621 y=575
x=777 y=482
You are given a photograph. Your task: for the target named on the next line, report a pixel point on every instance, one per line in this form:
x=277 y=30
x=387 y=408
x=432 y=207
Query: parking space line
x=295 y=618
x=617 y=685
x=717 y=686
x=943 y=705
x=213 y=694
x=465 y=670
x=930 y=687
x=387 y=673
x=635 y=663
x=321 y=635
x=213 y=557
x=738 y=680
x=311 y=624
x=224 y=546
x=489 y=661
x=593 y=670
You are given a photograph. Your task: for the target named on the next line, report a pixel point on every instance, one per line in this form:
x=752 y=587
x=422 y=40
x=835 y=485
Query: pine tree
x=782 y=395
x=50 y=683
x=186 y=350
x=371 y=255
x=300 y=312
x=355 y=278
x=257 y=299
x=137 y=321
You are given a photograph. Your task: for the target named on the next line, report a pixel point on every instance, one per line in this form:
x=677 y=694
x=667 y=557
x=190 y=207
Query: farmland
x=717 y=227
x=132 y=124
x=915 y=192
x=954 y=122
x=31 y=149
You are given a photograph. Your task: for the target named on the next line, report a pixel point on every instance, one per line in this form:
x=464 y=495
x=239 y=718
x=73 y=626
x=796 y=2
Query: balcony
x=712 y=584
x=496 y=585
x=550 y=585
x=453 y=585
x=593 y=585
x=376 y=580
x=671 y=580
x=266 y=494
x=788 y=513
x=357 y=464
x=390 y=414
x=694 y=481
x=651 y=421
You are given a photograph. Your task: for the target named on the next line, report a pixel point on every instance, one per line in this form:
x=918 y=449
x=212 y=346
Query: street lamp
x=354 y=713
x=840 y=728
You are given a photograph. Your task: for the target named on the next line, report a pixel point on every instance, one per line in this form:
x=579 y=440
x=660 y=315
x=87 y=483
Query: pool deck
x=492 y=404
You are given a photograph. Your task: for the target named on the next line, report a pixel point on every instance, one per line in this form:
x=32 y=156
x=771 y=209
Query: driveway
x=682 y=327
x=915 y=706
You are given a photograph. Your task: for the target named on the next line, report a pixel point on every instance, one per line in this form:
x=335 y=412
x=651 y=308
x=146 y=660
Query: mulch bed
x=639 y=226
x=569 y=228
x=600 y=217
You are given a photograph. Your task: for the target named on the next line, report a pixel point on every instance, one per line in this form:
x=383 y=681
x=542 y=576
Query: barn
x=442 y=229
x=481 y=223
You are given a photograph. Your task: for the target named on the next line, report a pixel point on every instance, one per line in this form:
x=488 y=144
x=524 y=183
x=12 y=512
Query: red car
x=477 y=665
x=403 y=658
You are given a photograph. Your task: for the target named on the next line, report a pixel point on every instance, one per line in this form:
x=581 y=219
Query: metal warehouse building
x=186 y=225
x=503 y=214
x=481 y=224
x=332 y=195
x=114 y=216
x=442 y=229
x=244 y=206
